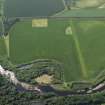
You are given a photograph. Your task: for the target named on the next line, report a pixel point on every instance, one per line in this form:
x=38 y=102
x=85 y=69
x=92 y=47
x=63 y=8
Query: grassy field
x=81 y=13
x=91 y=35
x=27 y=43
x=2 y=47
x=81 y=52
x=6 y=41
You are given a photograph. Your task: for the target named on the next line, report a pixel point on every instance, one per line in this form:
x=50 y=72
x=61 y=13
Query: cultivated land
x=45 y=43
x=81 y=13
x=76 y=45
x=91 y=35
x=2 y=47
x=81 y=52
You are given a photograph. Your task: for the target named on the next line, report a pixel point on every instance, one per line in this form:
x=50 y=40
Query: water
x=32 y=8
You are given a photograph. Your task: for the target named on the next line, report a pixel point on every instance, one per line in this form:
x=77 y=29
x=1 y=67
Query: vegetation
x=28 y=43
x=91 y=35
x=28 y=73
x=8 y=24
x=39 y=43
x=88 y=4
x=2 y=47
x=10 y=95
x=82 y=13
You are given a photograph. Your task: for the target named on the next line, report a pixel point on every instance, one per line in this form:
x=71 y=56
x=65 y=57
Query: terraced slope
x=91 y=35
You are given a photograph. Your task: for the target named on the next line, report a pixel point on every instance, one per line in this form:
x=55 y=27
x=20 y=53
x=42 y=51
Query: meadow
x=81 y=52
x=82 y=13
x=2 y=47
x=29 y=43
x=91 y=35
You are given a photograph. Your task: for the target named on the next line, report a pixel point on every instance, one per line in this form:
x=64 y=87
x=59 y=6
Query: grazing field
x=28 y=43
x=78 y=45
x=2 y=47
x=81 y=13
x=91 y=35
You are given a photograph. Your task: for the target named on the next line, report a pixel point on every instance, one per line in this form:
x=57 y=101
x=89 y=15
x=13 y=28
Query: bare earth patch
x=68 y=31
x=39 y=23
x=46 y=79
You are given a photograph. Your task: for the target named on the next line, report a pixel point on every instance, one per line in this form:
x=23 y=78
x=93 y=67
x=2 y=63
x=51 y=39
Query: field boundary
x=62 y=17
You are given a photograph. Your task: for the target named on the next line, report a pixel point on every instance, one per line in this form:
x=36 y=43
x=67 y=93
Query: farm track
x=78 y=48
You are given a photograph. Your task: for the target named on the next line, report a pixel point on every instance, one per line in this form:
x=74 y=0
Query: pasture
x=29 y=43
x=91 y=35
x=82 y=13
x=2 y=47
x=81 y=52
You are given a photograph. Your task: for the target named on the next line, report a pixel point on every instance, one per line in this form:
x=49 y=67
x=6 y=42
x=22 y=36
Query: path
x=78 y=48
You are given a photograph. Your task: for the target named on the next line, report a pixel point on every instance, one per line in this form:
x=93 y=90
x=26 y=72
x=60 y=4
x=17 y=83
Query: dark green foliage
x=92 y=99
x=10 y=96
x=28 y=72
x=8 y=23
x=2 y=47
x=5 y=63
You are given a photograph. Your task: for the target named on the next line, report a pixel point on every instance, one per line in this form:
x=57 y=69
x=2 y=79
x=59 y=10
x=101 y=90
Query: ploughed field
x=78 y=45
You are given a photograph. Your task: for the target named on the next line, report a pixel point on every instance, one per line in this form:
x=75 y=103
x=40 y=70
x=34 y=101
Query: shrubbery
x=10 y=96
x=38 y=68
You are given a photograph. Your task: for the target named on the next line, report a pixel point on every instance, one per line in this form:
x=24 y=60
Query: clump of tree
x=10 y=95
x=8 y=23
x=6 y=63
x=83 y=99
x=28 y=72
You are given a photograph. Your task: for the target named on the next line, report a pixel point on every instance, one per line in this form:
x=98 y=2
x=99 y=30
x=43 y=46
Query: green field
x=2 y=47
x=27 y=43
x=81 y=53
x=83 y=13
x=91 y=35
